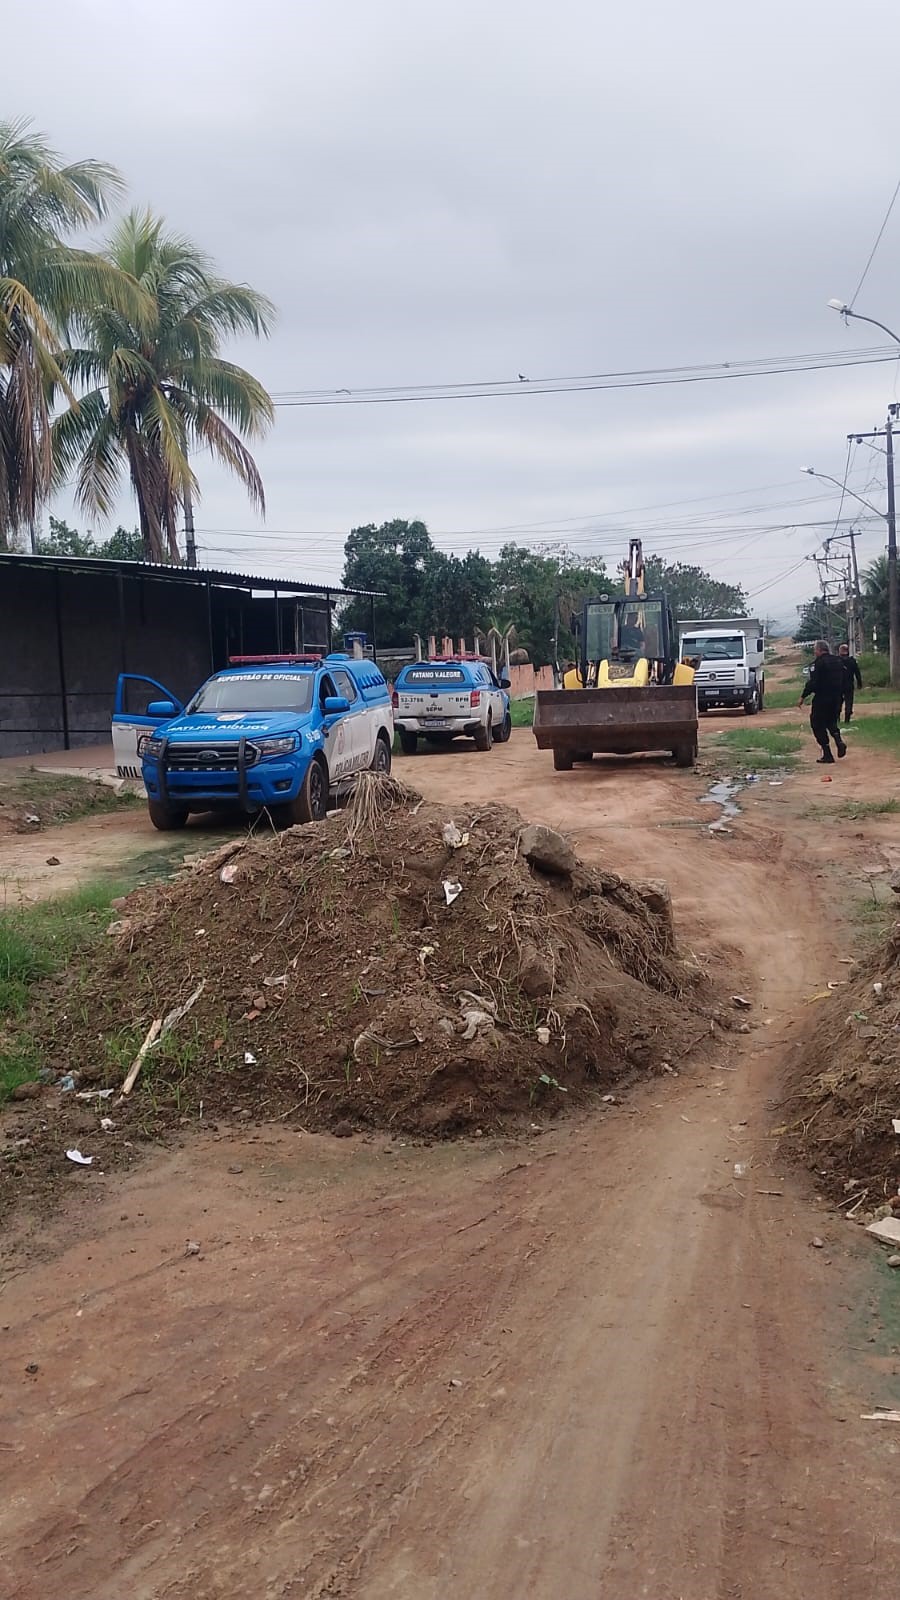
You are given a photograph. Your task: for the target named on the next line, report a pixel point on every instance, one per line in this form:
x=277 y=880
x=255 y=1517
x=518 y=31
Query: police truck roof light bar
x=264 y=661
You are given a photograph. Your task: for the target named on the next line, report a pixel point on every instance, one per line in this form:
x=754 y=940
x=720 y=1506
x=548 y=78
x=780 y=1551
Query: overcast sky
x=453 y=190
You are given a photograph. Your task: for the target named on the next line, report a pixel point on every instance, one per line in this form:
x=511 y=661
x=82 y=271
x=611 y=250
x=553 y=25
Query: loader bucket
x=578 y=723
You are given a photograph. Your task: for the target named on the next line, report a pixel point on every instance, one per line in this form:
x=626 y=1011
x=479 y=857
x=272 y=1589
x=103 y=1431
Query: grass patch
x=880 y=733
x=522 y=712
x=762 y=748
x=54 y=798
x=873 y=917
x=35 y=942
x=782 y=699
x=858 y=810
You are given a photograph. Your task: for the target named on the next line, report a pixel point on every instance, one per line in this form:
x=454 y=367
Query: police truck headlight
x=277 y=747
x=150 y=745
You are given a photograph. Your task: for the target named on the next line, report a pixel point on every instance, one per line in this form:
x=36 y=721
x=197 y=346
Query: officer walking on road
x=852 y=678
x=826 y=685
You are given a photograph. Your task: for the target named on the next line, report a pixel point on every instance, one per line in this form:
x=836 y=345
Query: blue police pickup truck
x=275 y=732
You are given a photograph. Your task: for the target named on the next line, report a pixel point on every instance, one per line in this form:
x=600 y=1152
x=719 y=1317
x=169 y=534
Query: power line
x=872 y=252
x=641 y=378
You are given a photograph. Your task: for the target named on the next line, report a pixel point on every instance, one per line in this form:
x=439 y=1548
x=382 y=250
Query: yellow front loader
x=628 y=692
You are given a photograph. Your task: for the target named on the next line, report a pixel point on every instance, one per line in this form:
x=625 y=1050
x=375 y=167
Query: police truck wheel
x=381 y=761
x=311 y=804
x=504 y=730
x=166 y=818
x=484 y=736
x=408 y=742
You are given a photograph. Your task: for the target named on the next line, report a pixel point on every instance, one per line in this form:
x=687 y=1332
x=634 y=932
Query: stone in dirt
x=547 y=850
x=887 y=1229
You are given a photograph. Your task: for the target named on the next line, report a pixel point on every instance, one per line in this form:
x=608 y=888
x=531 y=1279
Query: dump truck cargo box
x=583 y=722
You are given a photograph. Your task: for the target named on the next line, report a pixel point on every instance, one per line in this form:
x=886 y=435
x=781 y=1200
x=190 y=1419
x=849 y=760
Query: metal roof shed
x=70 y=624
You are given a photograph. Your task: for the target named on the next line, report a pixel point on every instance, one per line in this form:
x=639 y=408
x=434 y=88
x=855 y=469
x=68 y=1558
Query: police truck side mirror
x=335 y=705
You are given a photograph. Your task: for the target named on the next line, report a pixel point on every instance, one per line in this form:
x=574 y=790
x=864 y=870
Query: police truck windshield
x=255 y=691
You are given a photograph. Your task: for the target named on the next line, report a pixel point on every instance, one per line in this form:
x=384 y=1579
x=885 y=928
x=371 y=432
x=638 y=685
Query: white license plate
x=438 y=722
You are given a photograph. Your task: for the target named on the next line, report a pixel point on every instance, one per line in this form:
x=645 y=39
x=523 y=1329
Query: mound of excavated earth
x=398 y=967
x=844 y=1097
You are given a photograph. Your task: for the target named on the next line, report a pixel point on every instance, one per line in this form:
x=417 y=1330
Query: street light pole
x=893 y=587
x=891 y=519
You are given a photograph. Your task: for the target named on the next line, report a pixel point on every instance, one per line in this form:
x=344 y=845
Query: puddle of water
x=722 y=794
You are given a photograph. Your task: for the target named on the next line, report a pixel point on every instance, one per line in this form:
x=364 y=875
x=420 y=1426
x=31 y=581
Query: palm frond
x=164 y=427
x=73 y=431
x=209 y=429
x=99 y=471
x=239 y=396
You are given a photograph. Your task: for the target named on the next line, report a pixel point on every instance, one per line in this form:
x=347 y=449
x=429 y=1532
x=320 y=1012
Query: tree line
x=110 y=359
x=534 y=592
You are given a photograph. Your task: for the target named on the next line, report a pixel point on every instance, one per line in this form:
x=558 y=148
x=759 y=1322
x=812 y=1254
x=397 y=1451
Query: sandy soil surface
x=601 y=1362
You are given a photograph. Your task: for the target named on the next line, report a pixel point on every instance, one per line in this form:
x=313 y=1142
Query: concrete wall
x=525 y=680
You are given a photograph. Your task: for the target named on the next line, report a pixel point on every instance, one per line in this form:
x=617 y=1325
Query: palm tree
x=155 y=387
x=43 y=283
x=875 y=586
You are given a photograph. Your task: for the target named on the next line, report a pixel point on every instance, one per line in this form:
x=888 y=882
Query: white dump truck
x=729 y=653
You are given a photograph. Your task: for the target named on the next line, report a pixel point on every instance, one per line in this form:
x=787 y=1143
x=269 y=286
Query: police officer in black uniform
x=852 y=678
x=826 y=685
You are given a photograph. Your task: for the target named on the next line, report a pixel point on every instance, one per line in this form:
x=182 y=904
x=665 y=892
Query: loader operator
x=826 y=685
x=631 y=634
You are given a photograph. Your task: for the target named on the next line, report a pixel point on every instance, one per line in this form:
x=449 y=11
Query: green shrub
x=875 y=669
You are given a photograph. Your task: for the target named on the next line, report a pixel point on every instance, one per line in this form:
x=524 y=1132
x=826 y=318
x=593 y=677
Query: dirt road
x=597 y=1363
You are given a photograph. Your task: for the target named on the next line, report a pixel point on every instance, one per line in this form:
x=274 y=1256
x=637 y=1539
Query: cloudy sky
x=443 y=191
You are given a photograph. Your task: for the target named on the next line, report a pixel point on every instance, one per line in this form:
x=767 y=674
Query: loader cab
x=631 y=637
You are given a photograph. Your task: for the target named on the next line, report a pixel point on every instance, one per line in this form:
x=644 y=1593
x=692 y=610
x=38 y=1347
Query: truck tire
x=166 y=818
x=484 y=736
x=381 y=760
x=562 y=760
x=311 y=804
x=408 y=742
x=685 y=754
x=751 y=704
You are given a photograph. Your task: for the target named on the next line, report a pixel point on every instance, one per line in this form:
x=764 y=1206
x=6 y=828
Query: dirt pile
x=395 y=968
x=844 y=1093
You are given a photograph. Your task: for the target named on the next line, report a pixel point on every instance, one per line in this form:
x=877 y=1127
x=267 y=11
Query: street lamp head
x=810 y=470
x=838 y=305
